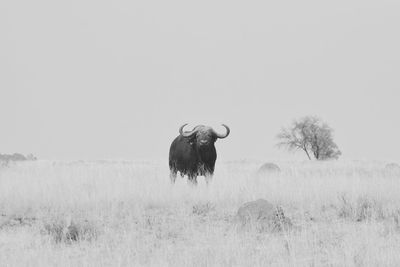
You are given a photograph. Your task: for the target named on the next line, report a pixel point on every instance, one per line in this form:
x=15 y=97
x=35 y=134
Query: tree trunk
x=316 y=153
x=308 y=155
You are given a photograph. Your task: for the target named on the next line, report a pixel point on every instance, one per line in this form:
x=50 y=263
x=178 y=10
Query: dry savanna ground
x=120 y=213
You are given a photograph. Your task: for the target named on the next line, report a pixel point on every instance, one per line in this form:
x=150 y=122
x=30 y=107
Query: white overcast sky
x=85 y=79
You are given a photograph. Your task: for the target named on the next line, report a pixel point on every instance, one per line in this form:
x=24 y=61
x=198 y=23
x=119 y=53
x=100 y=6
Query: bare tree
x=312 y=136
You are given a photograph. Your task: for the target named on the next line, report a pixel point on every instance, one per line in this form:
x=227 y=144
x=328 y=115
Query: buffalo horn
x=223 y=136
x=187 y=134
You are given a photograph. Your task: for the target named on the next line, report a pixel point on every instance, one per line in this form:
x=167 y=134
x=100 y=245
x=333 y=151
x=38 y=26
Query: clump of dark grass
x=70 y=231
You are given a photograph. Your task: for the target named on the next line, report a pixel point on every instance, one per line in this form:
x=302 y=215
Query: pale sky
x=87 y=79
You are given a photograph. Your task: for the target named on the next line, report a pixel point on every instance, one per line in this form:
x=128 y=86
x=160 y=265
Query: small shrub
x=363 y=209
x=345 y=209
x=17 y=220
x=203 y=209
x=392 y=168
x=367 y=209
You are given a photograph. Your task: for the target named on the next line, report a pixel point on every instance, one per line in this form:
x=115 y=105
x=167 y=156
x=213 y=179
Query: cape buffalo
x=193 y=153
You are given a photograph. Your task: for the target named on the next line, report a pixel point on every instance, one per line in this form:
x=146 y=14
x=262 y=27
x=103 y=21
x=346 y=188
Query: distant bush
x=6 y=158
x=392 y=167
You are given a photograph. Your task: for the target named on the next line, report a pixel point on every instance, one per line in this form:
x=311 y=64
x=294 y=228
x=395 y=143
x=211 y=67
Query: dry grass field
x=126 y=213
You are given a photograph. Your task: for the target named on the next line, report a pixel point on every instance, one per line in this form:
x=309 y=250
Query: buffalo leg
x=172 y=176
x=192 y=180
x=208 y=177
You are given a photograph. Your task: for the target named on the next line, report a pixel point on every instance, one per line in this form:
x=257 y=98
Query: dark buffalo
x=193 y=153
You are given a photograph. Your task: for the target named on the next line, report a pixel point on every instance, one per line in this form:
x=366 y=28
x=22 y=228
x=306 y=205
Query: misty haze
x=217 y=133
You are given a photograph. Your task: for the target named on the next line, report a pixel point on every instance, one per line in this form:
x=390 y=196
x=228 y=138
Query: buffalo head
x=204 y=135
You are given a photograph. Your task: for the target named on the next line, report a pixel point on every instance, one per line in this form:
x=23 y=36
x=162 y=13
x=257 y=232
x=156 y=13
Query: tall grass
x=117 y=213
